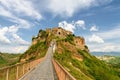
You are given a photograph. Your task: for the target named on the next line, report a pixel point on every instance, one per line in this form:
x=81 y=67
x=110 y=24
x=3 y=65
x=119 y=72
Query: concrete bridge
x=43 y=69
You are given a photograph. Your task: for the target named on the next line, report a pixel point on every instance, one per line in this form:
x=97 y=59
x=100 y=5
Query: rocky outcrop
x=79 y=42
x=60 y=33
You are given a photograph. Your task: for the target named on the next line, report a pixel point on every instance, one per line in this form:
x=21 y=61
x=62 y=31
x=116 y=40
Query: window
x=76 y=41
x=59 y=33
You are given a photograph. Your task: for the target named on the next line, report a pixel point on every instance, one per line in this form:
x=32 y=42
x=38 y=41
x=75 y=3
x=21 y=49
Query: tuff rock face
x=59 y=33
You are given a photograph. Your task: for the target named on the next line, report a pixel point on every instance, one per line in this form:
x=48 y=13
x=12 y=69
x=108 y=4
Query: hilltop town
x=61 y=33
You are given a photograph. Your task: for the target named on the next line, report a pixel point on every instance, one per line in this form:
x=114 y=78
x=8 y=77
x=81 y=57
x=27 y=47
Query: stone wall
x=60 y=32
x=79 y=42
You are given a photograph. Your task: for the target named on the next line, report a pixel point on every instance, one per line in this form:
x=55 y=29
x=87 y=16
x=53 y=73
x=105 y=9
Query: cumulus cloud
x=80 y=23
x=24 y=7
x=18 y=40
x=94 y=28
x=11 y=11
x=11 y=32
x=72 y=25
x=110 y=34
x=67 y=26
x=111 y=40
x=3 y=38
x=96 y=39
x=13 y=49
x=69 y=7
x=10 y=41
x=106 y=47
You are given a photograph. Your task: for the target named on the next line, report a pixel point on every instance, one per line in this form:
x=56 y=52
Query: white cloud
x=94 y=28
x=13 y=29
x=69 y=7
x=18 y=40
x=96 y=39
x=11 y=10
x=110 y=34
x=109 y=48
x=9 y=37
x=111 y=38
x=72 y=26
x=23 y=7
x=13 y=49
x=3 y=38
x=106 y=47
x=21 y=22
x=66 y=26
x=80 y=23
x=4 y=12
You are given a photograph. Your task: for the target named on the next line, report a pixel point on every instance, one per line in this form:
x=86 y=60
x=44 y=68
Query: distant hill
x=106 y=53
x=72 y=53
x=8 y=59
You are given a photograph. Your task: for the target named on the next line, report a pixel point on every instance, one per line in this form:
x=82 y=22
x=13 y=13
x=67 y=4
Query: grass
x=7 y=59
x=65 y=59
x=35 y=51
x=89 y=68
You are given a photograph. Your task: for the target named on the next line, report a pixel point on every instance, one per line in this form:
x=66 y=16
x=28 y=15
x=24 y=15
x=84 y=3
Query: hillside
x=86 y=68
x=113 y=61
x=38 y=49
x=8 y=59
x=72 y=53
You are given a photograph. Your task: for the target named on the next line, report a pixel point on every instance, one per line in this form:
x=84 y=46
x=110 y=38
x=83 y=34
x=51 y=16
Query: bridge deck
x=44 y=71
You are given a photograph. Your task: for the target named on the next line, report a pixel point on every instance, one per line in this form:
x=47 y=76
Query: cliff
x=60 y=33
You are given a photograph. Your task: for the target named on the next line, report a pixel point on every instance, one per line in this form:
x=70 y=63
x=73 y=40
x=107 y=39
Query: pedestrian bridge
x=41 y=69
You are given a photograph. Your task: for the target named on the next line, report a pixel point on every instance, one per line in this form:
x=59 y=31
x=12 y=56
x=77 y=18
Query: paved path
x=44 y=71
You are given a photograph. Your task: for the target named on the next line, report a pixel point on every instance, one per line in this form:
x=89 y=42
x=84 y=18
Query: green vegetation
x=69 y=39
x=7 y=59
x=115 y=62
x=90 y=68
x=80 y=63
x=35 y=51
x=42 y=34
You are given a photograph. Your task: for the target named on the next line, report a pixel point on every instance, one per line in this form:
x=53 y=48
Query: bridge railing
x=15 y=72
x=62 y=74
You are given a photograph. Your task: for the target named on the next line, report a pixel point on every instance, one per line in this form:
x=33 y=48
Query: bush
x=69 y=39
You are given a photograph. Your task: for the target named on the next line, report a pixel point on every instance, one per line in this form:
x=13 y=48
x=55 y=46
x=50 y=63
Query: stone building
x=79 y=42
x=60 y=32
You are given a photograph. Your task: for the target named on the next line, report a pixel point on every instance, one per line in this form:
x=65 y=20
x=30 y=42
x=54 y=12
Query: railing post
x=7 y=74
x=17 y=72
x=20 y=68
x=23 y=69
x=28 y=66
x=61 y=72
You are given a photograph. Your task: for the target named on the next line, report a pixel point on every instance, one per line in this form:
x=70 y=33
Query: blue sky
x=98 y=21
